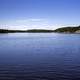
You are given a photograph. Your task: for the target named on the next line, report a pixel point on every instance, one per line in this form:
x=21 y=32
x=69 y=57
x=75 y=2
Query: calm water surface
x=39 y=56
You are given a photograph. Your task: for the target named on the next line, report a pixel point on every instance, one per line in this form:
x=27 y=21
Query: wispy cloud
x=30 y=20
x=31 y=23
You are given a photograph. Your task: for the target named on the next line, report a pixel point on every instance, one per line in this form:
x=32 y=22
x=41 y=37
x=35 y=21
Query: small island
x=59 y=30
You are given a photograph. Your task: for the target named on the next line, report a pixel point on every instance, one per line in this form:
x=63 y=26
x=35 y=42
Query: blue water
x=39 y=56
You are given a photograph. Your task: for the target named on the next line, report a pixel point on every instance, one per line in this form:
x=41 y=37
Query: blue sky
x=44 y=14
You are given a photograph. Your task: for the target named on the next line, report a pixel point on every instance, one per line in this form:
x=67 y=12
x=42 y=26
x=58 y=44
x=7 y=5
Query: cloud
x=36 y=19
x=31 y=23
x=29 y=20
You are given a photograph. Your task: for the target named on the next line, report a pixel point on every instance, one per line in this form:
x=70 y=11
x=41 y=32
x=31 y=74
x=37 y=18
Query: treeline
x=67 y=29
x=59 y=30
x=24 y=31
x=10 y=31
x=3 y=31
x=39 y=31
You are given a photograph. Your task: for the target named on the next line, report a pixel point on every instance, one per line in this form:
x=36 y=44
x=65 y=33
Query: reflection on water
x=39 y=56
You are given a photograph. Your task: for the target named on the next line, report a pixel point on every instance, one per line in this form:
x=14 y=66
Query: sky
x=39 y=14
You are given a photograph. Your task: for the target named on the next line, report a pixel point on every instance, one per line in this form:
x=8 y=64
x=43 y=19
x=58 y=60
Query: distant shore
x=59 y=30
x=25 y=31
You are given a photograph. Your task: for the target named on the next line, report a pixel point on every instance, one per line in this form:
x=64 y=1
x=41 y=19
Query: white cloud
x=36 y=19
x=30 y=24
x=29 y=20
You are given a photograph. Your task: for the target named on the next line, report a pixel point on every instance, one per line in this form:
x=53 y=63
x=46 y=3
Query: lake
x=39 y=56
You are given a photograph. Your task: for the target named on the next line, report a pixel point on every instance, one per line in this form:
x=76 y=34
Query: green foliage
x=67 y=29
x=39 y=31
x=60 y=30
x=23 y=31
